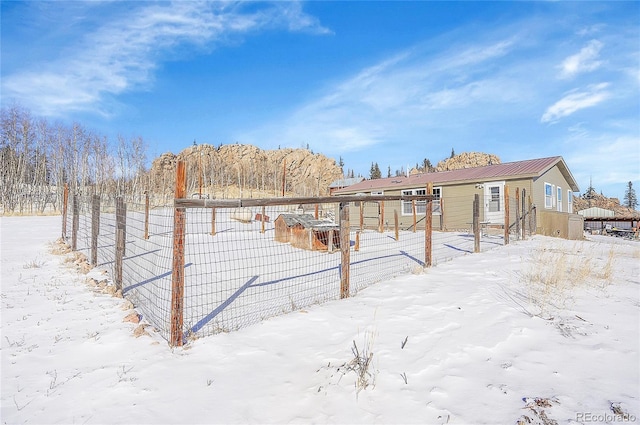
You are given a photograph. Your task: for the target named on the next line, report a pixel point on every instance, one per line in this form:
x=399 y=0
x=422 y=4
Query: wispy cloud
x=585 y=60
x=122 y=54
x=575 y=101
x=381 y=102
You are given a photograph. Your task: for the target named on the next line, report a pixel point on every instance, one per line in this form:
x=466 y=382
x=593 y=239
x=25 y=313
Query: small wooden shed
x=305 y=232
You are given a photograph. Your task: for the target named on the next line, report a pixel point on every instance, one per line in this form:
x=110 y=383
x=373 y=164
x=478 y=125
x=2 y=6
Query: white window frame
x=569 y=201
x=407 y=206
x=407 y=209
x=559 y=196
x=436 y=208
x=548 y=195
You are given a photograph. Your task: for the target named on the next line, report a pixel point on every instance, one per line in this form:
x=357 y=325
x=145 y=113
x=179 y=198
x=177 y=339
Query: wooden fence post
x=121 y=214
x=476 y=223
x=264 y=212
x=315 y=212
x=76 y=222
x=95 y=229
x=361 y=215
x=381 y=217
x=213 y=221
x=395 y=224
x=357 y=245
x=428 y=229
x=441 y=214
x=518 y=213
x=146 y=215
x=345 y=248
x=177 y=276
x=506 y=215
x=65 y=203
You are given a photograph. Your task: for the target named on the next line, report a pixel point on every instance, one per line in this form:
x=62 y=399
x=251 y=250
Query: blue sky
x=386 y=82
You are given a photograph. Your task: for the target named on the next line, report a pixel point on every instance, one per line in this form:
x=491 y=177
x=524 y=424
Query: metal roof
x=531 y=168
x=306 y=220
x=346 y=182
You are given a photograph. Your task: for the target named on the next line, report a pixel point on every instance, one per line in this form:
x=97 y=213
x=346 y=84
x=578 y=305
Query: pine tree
x=452 y=153
x=389 y=171
x=589 y=193
x=630 y=199
x=375 y=171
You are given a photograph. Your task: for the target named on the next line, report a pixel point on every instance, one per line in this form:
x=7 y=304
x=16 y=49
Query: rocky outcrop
x=467 y=160
x=247 y=171
x=594 y=199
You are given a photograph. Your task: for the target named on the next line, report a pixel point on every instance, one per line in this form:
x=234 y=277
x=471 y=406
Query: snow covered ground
x=540 y=331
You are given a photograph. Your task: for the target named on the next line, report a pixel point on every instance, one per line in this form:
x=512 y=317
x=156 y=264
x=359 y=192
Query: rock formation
x=467 y=160
x=247 y=171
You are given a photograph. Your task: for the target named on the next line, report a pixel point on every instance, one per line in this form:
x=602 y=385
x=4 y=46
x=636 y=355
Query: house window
x=559 y=192
x=377 y=192
x=407 y=207
x=494 y=199
x=569 y=201
x=436 y=206
x=421 y=206
x=548 y=195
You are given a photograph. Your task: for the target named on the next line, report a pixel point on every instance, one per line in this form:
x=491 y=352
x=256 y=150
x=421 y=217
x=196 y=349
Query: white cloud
x=584 y=61
x=575 y=101
x=121 y=55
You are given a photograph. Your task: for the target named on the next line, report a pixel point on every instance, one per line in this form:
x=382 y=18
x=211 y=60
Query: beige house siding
x=556 y=179
x=457 y=197
x=563 y=225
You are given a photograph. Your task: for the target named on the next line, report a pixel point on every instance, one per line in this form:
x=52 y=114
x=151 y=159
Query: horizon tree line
x=39 y=157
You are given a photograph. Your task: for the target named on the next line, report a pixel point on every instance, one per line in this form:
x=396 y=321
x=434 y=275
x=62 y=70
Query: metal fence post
x=76 y=222
x=65 y=204
x=95 y=228
x=121 y=214
x=395 y=224
x=518 y=213
x=524 y=214
x=428 y=228
x=213 y=221
x=146 y=215
x=476 y=223
x=345 y=248
x=506 y=215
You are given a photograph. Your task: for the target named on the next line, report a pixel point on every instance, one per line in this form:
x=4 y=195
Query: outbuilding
x=305 y=232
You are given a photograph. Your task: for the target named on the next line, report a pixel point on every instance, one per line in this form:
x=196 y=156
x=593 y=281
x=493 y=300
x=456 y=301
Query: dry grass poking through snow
x=554 y=272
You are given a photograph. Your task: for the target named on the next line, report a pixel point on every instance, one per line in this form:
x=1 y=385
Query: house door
x=494 y=202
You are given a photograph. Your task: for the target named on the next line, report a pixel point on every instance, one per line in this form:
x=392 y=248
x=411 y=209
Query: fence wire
x=244 y=265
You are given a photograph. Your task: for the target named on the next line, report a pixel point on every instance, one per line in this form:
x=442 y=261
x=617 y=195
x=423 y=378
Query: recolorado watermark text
x=605 y=417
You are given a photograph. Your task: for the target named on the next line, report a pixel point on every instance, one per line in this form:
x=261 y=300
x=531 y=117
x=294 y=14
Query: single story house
x=546 y=184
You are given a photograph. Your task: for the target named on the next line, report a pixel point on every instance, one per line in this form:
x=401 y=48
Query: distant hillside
x=231 y=171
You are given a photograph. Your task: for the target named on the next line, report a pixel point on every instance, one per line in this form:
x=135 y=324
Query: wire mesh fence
x=243 y=264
